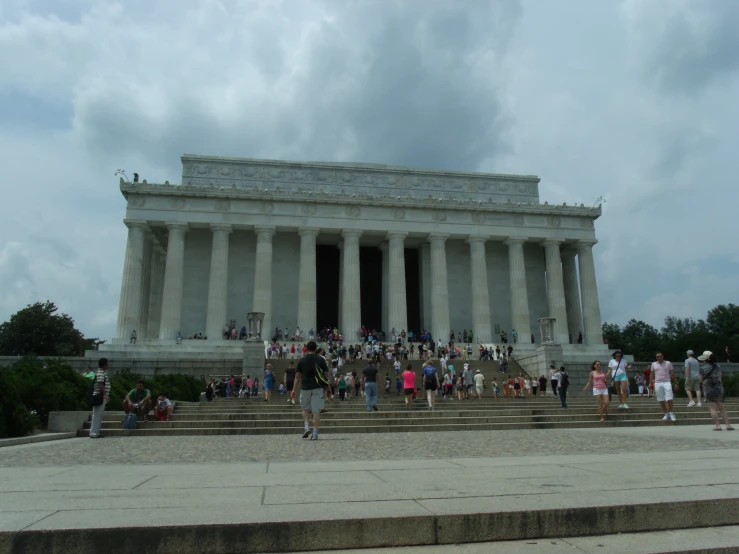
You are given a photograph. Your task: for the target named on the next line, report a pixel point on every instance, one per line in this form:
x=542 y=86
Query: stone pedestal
x=253 y=358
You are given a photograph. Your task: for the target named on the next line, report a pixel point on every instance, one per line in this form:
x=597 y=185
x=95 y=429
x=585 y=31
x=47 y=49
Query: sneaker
x=314 y=437
x=626 y=406
x=666 y=417
x=307 y=434
x=698 y=405
x=620 y=405
x=691 y=404
x=672 y=417
x=288 y=400
x=375 y=408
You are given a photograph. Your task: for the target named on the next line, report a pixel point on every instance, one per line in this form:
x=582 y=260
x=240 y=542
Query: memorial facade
x=340 y=244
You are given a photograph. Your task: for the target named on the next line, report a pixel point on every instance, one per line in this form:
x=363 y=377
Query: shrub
x=15 y=420
x=52 y=385
x=178 y=387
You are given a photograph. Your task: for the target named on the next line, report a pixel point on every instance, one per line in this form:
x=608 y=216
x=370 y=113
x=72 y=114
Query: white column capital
x=552 y=242
x=140 y=223
x=515 y=240
x=477 y=238
x=265 y=230
x=568 y=252
x=221 y=227
x=172 y=225
x=585 y=245
x=396 y=235
x=308 y=231
x=437 y=238
x=351 y=234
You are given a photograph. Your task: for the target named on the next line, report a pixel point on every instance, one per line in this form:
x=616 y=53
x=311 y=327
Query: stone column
x=129 y=306
x=263 y=279
x=217 y=315
x=173 y=278
x=397 y=304
x=340 y=246
x=351 y=300
x=143 y=330
x=307 y=304
x=155 y=291
x=592 y=327
x=439 y=288
x=481 y=327
x=425 y=284
x=385 y=316
x=572 y=293
x=520 y=319
x=556 y=290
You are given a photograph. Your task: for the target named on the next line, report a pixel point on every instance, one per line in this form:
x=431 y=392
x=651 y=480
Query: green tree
x=641 y=339
x=723 y=320
x=613 y=336
x=38 y=330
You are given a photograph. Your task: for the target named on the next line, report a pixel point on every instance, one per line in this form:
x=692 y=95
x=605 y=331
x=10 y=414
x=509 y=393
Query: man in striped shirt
x=100 y=397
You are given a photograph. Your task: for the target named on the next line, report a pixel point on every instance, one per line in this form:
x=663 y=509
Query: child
x=399 y=385
x=496 y=388
x=282 y=388
x=342 y=388
x=640 y=383
x=387 y=385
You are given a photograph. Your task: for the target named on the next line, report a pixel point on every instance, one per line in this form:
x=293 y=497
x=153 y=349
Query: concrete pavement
x=281 y=506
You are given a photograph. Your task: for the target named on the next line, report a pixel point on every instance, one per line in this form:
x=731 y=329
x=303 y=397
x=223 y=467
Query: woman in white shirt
x=619 y=378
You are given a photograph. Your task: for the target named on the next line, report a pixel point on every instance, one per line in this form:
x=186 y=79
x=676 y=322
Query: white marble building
x=242 y=235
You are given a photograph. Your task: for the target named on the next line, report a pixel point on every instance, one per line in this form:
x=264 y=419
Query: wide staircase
x=254 y=416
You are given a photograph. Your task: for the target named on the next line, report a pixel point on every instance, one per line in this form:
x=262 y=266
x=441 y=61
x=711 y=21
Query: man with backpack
x=99 y=396
x=312 y=374
x=138 y=400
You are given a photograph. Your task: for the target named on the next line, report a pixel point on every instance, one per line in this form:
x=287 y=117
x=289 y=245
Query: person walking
x=369 y=385
x=409 y=386
x=619 y=378
x=430 y=383
x=553 y=379
x=100 y=397
x=665 y=381
x=543 y=385
x=713 y=389
x=600 y=389
x=312 y=375
x=479 y=379
x=289 y=380
x=269 y=382
x=564 y=382
x=692 y=379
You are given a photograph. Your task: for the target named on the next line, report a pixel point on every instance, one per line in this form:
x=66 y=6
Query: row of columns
x=151 y=291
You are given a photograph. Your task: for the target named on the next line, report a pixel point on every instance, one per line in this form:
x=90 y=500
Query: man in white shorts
x=479 y=382
x=664 y=380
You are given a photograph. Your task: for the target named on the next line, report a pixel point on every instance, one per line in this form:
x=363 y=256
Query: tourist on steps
x=312 y=375
x=269 y=382
x=665 y=381
x=369 y=386
x=600 y=389
x=430 y=383
x=289 y=380
x=409 y=386
x=564 y=382
x=619 y=378
x=711 y=377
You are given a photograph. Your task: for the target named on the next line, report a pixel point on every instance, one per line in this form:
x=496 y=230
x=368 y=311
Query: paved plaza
x=284 y=494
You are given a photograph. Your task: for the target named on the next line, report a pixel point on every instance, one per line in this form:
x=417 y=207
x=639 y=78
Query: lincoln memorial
x=314 y=244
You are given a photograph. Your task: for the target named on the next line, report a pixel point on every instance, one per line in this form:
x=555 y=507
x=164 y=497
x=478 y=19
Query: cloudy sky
x=633 y=100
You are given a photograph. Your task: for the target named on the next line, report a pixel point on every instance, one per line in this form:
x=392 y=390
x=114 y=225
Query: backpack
x=564 y=380
x=129 y=422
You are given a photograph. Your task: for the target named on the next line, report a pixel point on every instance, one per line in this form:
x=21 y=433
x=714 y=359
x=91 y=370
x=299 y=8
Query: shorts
x=429 y=385
x=620 y=377
x=664 y=391
x=693 y=385
x=600 y=392
x=311 y=400
x=408 y=392
x=516 y=386
x=290 y=386
x=641 y=389
x=162 y=416
x=479 y=390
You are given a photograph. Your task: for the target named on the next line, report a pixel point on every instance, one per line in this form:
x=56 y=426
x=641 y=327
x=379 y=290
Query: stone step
x=376 y=427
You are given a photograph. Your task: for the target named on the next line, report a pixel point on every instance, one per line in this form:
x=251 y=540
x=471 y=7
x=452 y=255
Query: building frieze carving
x=398 y=213
x=177 y=203
x=223 y=205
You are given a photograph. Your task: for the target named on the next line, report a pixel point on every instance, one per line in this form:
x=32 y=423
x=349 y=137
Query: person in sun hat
x=713 y=389
x=692 y=379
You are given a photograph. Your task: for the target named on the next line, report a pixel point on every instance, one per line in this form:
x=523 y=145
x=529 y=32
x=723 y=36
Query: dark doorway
x=370 y=282
x=327 y=286
x=412 y=289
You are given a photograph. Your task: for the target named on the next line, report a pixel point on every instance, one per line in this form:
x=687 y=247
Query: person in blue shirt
x=269 y=382
x=430 y=383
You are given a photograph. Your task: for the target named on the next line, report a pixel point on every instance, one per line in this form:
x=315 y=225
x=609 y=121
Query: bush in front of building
x=178 y=387
x=16 y=420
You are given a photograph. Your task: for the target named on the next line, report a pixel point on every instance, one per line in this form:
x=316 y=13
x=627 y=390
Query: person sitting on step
x=138 y=400
x=163 y=408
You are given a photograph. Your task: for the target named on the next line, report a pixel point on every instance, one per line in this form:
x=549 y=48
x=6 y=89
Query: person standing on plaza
x=600 y=389
x=619 y=378
x=713 y=389
x=564 y=383
x=100 y=397
x=692 y=379
x=369 y=386
x=430 y=383
x=515 y=336
x=665 y=381
x=312 y=374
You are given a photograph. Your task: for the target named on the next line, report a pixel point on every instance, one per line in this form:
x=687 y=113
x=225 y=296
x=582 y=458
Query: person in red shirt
x=648 y=381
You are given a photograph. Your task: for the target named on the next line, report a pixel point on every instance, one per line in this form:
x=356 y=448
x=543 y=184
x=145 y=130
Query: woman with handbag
x=713 y=389
x=600 y=389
